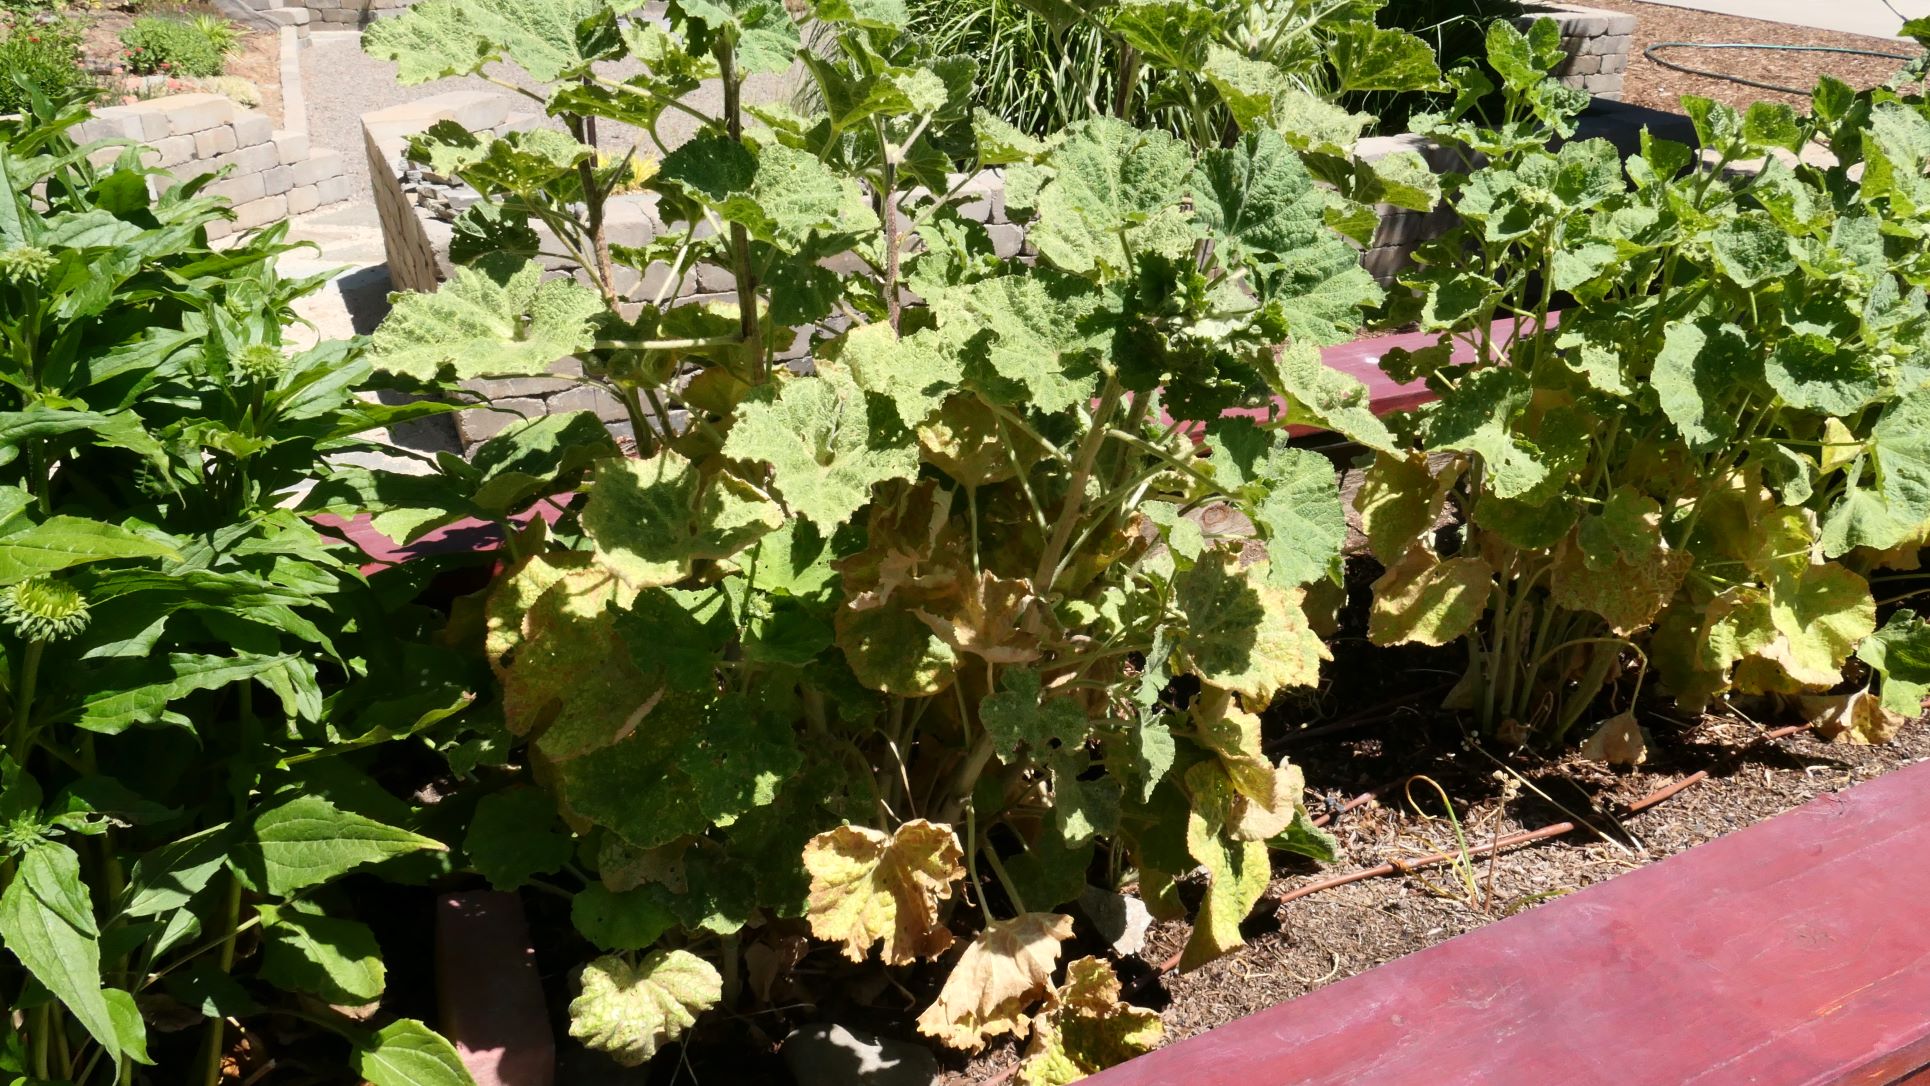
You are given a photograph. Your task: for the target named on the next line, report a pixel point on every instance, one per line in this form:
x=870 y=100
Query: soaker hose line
x=1649 y=54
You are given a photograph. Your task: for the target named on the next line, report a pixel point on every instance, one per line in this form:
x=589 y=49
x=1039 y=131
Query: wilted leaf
x=1400 y=499
x=1618 y=741
x=629 y=1012
x=1629 y=594
x=1858 y=717
x=1237 y=871
x=867 y=885
x=1005 y=970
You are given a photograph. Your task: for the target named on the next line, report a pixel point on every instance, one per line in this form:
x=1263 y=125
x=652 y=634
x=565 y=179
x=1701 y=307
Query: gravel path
x=343 y=83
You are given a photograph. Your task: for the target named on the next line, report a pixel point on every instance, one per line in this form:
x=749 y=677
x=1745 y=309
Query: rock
x=828 y=1054
x=1120 y=920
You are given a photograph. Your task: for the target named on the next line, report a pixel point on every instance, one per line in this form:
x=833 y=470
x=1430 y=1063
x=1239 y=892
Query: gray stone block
x=291 y=147
x=191 y=113
x=173 y=150
x=1613 y=65
x=252 y=129
x=1579 y=65
x=711 y=278
x=1007 y=239
x=277 y=179
x=255 y=159
x=302 y=199
x=319 y=164
x=588 y=398
x=483 y=423
x=240 y=189
x=261 y=212
x=218 y=140
x=1606 y=44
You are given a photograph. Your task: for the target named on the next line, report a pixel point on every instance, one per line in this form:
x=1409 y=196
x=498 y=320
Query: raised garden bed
x=1743 y=960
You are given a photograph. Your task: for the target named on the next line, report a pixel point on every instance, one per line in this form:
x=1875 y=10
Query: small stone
x=828 y=1054
x=1121 y=920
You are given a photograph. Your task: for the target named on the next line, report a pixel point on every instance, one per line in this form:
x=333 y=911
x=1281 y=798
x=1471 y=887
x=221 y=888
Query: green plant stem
x=38 y=1023
x=1005 y=880
x=971 y=861
x=1076 y=488
x=217 y=1028
x=20 y=743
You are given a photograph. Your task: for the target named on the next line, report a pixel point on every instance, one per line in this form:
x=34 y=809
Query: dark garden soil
x=1389 y=728
x=1652 y=85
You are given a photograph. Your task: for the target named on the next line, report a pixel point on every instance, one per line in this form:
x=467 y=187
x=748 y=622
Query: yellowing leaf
x=652 y=519
x=1086 y=1028
x=1618 y=741
x=631 y=1011
x=1424 y=600
x=1237 y=871
x=1005 y=970
x=996 y=618
x=513 y=594
x=867 y=885
x=1244 y=634
x=1821 y=614
x=1629 y=594
x=1266 y=794
x=1399 y=500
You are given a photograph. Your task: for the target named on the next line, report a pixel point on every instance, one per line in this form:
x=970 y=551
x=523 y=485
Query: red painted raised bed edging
x=1796 y=951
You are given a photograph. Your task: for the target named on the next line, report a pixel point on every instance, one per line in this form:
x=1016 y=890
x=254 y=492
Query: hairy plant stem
x=1076 y=488
x=888 y=218
x=748 y=325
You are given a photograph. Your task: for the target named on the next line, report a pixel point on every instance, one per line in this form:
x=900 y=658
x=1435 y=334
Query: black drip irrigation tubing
x=1649 y=55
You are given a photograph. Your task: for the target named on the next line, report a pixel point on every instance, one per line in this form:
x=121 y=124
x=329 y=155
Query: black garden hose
x=1649 y=54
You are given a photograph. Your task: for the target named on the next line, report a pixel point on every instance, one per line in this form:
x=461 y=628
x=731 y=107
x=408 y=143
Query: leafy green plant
x=43 y=58
x=156 y=43
x=1689 y=474
x=195 y=677
x=221 y=33
x=906 y=651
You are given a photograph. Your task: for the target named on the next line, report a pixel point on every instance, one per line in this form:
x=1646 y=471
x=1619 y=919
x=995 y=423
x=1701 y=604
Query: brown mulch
x=1649 y=84
x=1339 y=932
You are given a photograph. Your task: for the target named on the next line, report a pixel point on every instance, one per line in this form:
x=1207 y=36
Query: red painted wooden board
x=1796 y=951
